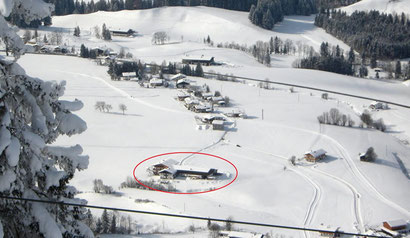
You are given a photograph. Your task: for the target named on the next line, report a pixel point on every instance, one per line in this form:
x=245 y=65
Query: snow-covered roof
x=316 y=153
x=205 y=95
x=178 y=76
x=396 y=223
x=182 y=81
x=190 y=168
x=216 y=99
x=217 y=122
x=191 y=101
x=156 y=81
x=169 y=171
x=129 y=74
x=168 y=162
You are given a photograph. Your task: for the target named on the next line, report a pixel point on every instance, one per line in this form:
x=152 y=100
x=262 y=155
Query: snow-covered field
x=387 y=6
x=341 y=191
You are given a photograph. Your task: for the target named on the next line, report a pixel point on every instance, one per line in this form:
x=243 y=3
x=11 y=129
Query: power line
x=312 y=88
x=189 y=217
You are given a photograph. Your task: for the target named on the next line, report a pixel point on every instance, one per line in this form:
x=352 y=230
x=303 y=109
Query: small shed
x=316 y=155
x=218 y=125
x=395 y=225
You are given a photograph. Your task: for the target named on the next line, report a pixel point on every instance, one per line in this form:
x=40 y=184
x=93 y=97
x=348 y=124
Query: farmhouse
x=182 y=83
x=201 y=61
x=128 y=75
x=184 y=171
x=328 y=231
x=314 y=156
x=164 y=164
x=177 y=77
x=128 y=33
x=395 y=225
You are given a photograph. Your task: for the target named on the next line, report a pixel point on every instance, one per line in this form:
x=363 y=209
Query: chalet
x=177 y=77
x=201 y=109
x=164 y=164
x=378 y=105
x=314 y=156
x=218 y=125
x=209 y=119
x=182 y=83
x=184 y=171
x=362 y=157
x=128 y=75
x=235 y=114
x=201 y=61
x=239 y=234
x=395 y=225
x=128 y=33
x=207 y=96
x=156 y=82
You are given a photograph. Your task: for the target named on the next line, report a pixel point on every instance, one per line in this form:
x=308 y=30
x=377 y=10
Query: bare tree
x=100 y=105
x=366 y=118
x=159 y=37
x=292 y=160
x=97 y=31
x=191 y=228
x=123 y=108
x=108 y=107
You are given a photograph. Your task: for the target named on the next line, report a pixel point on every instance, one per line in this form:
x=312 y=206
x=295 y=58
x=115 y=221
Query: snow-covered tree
x=31 y=119
x=105 y=220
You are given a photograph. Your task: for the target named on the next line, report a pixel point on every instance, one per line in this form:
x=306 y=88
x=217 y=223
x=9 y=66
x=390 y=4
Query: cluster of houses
x=395 y=228
x=171 y=169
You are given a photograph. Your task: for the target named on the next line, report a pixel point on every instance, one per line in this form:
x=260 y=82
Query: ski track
x=353 y=168
x=313 y=205
x=317 y=191
x=125 y=94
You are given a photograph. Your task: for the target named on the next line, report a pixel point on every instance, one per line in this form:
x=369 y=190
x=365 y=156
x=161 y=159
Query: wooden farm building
x=128 y=33
x=183 y=171
x=201 y=61
x=182 y=83
x=395 y=225
x=165 y=164
x=314 y=156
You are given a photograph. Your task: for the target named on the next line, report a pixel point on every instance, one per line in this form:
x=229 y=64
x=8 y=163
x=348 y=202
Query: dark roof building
x=200 y=61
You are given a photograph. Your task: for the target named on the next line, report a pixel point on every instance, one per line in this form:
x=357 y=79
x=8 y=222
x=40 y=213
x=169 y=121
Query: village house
x=177 y=77
x=182 y=83
x=378 y=105
x=314 y=156
x=128 y=75
x=195 y=61
x=395 y=225
x=128 y=33
x=329 y=231
x=164 y=164
x=202 y=108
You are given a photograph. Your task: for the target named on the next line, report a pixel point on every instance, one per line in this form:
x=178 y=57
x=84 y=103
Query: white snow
x=13 y=152
x=4 y=138
x=387 y=6
x=6 y=179
x=71 y=106
x=268 y=189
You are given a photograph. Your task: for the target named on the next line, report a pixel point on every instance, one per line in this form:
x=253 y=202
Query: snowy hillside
x=281 y=123
x=264 y=191
x=387 y=6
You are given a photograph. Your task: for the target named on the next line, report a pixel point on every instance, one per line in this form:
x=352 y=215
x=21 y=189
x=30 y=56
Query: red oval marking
x=198 y=153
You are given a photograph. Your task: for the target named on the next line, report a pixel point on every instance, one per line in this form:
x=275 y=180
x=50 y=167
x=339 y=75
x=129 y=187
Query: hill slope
x=387 y=6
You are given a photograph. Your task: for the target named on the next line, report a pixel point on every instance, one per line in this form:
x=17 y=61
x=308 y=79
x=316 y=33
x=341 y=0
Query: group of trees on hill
x=268 y=12
x=374 y=34
x=330 y=59
x=65 y=7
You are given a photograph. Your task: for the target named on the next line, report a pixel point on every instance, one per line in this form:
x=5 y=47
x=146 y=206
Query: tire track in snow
x=356 y=195
x=352 y=167
x=317 y=191
x=125 y=94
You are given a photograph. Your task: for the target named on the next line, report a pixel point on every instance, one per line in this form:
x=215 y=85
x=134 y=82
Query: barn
x=201 y=61
x=395 y=225
x=316 y=155
x=182 y=83
x=164 y=164
x=184 y=171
